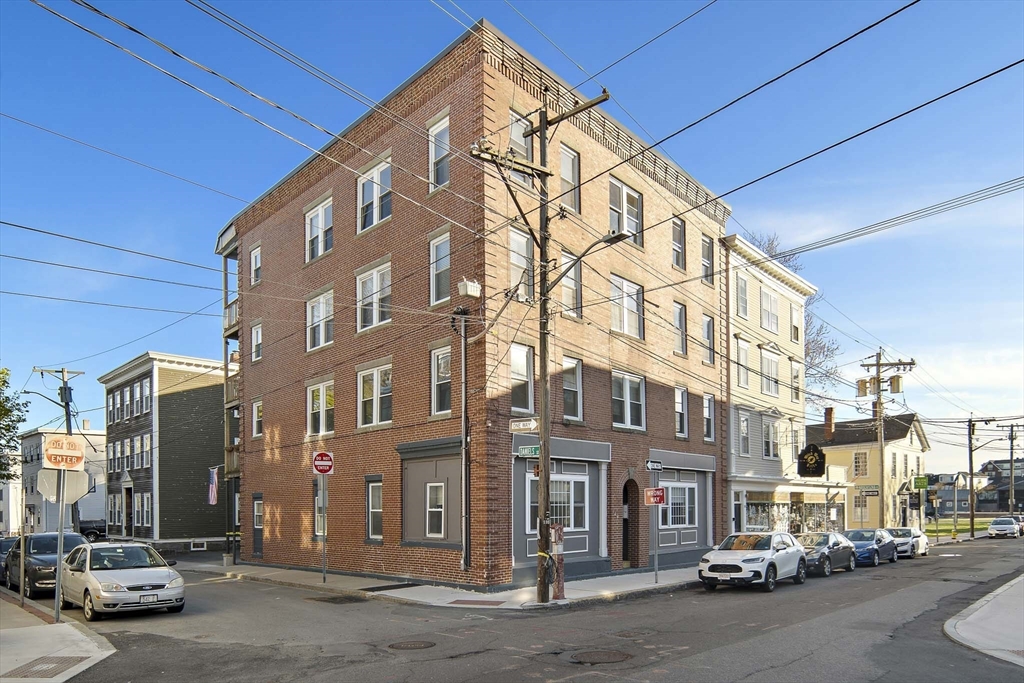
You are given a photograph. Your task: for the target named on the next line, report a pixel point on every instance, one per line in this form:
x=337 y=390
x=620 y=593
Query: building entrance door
x=631 y=525
x=129 y=513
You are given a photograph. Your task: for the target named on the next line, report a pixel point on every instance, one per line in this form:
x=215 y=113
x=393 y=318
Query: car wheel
x=826 y=568
x=913 y=552
x=895 y=556
x=88 y=611
x=92 y=536
x=27 y=590
x=874 y=559
x=177 y=608
x=7 y=581
x=768 y=585
x=801 y=573
x=64 y=604
x=853 y=562
x=710 y=586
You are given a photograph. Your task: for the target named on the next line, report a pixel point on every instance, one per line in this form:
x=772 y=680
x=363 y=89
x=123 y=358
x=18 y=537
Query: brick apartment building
x=347 y=342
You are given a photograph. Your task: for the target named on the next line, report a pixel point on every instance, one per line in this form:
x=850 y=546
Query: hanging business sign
x=811 y=462
x=64 y=452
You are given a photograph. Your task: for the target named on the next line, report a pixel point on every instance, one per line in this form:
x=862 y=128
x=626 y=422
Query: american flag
x=213 y=486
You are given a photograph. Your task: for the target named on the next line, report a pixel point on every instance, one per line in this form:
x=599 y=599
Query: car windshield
x=812 y=540
x=747 y=542
x=47 y=545
x=901 y=533
x=125 y=557
x=1002 y=520
x=861 y=534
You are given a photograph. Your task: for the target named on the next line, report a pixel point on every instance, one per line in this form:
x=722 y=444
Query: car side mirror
x=779 y=547
x=171 y=563
x=714 y=547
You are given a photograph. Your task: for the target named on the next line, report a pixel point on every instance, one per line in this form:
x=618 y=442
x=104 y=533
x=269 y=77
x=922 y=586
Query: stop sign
x=323 y=463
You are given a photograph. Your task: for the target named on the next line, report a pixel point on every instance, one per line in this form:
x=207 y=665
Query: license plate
x=725 y=576
x=149 y=598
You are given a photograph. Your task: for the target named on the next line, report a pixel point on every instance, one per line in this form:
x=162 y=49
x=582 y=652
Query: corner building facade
x=350 y=272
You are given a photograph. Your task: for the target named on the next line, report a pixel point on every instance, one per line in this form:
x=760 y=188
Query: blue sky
x=948 y=290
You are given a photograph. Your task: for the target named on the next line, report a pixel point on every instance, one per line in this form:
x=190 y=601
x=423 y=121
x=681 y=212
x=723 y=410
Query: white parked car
x=754 y=558
x=1004 y=526
x=119 y=577
x=910 y=542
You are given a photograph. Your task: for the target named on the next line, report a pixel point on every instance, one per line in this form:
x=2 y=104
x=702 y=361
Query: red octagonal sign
x=323 y=463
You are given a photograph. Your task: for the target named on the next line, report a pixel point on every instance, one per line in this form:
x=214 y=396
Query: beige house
x=854 y=444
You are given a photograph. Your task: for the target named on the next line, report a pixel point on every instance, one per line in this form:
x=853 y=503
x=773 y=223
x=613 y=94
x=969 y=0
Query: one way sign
x=527 y=425
x=654 y=466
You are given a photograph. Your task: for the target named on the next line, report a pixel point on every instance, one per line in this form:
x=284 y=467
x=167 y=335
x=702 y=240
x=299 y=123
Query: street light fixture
x=609 y=239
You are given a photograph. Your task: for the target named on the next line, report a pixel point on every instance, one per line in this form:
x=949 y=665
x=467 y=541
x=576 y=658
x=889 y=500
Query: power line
x=104 y=303
x=109 y=272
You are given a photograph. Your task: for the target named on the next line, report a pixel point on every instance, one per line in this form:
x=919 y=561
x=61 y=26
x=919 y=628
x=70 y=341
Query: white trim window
x=744 y=428
x=769 y=373
x=572 y=388
x=572 y=295
x=743 y=364
x=137 y=509
x=147 y=450
x=860 y=508
x=147 y=395
x=255 y=266
x=627 y=307
x=520 y=264
x=709 y=417
x=679 y=322
x=521 y=377
x=375 y=510
x=374 y=290
x=794 y=323
x=769 y=311
x=110 y=408
x=147 y=509
x=320 y=409
x=628 y=409
x=435 y=510
x=136 y=452
x=257 y=514
x=319 y=321
x=568 y=502
x=520 y=144
x=707 y=259
x=137 y=398
x=794 y=387
x=441 y=381
x=682 y=412
x=742 y=286
x=117 y=406
x=625 y=211
x=320 y=230
x=256 y=342
x=374 y=196
x=569 y=172
x=770 y=430
x=680 y=508
x=708 y=334
x=440 y=154
x=375 y=396
x=111 y=509
x=440 y=269
x=127 y=451
x=110 y=457
x=257 y=418
x=679 y=243
x=860 y=464
x=118 y=462
x=127 y=403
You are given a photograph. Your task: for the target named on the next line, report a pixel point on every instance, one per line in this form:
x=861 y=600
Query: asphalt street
x=871 y=624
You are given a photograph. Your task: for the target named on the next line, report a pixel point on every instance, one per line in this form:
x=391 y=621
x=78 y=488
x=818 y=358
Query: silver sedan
x=119 y=577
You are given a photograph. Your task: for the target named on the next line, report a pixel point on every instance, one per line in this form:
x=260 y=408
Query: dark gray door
x=257 y=524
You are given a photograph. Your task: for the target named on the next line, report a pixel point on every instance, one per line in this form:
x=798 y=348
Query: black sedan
x=40 y=561
x=873 y=545
x=826 y=552
x=5 y=545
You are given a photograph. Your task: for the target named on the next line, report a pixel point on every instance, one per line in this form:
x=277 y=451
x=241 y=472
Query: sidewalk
x=34 y=649
x=576 y=592
x=993 y=624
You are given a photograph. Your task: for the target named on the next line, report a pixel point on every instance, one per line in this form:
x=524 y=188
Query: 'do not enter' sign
x=323 y=463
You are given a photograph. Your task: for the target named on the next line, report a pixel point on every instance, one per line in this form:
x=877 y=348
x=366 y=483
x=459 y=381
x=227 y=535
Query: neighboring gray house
x=165 y=427
x=10 y=501
x=42 y=515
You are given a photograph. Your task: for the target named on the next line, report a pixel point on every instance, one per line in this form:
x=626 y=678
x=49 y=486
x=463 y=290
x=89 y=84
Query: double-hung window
x=440 y=155
x=374 y=290
x=375 y=196
x=572 y=388
x=137 y=398
x=137 y=509
x=110 y=408
x=257 y=418
x=680 y=508
x=708 y=334
x=257 y=514
x=147 y=509
x=435 y=510
x=441 y=380
x=709 y=417
x=110 y=457
x=627 y=307
x=375 y=510
x=519 y=144
x=742 y=364
x=707 y=259
x=769 y=311
x=521 y=376
x=147 y=396
x=319 y=230
x=769 y=373
x=127 y=402
x=860 y=464
x=628 y=401
x=440 y=269
x=794 y=322
x=682 y=411
x=572 y=296
x=147 y=450
x=520 y=264
x=570 y=175
x=679 y=321
x=568 y=502
x=255 y=266
x=256 y=341
x=770 y=430
x=375 y=396
x=137 y=452
x=319 y=321
x=794 y=388
x=118 y=462
x=117 y=405
x=679 y=243
x=320 y=408
x=625 y=211
x=744 y=434
x=741 y=296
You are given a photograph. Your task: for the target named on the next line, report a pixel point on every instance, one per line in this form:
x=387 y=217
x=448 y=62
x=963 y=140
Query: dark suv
x=40 y=561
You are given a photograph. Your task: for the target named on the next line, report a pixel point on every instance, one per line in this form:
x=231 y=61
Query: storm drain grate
x=633 y=634
x=45 y=667
x=338 y=599
x=411 y=645
x=600 y=657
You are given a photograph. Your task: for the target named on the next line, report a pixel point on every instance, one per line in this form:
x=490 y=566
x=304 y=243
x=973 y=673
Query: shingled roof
x=865 y=431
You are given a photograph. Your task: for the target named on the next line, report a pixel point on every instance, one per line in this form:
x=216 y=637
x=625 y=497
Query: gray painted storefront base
x=575 y=568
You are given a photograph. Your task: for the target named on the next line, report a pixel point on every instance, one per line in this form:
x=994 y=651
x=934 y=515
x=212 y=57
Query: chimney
x=874 y=410
x=85 y=425
x=830 y=423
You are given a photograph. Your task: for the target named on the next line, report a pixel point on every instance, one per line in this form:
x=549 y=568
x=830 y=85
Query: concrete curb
x=950 y=627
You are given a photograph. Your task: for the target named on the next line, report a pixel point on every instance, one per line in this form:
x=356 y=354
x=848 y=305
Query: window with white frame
x=441 y=380
x=627 y=307
x=568 y=501
x=435 y=510
x=375 y=510
x=110 y=457
x=794 y=441
x=319 y=321
x=375 y=396
x=572 y=296
x=440 y=154
x=741 y=296
x=679 y=321
x=770 y=430
x=744 y=434
x=257 y=514
x=742 y=364
x=628 y=408
x=860 y=508
x=147 y=509
x=440 y=269
x=679 y=243
x=255 y=266
x=521 y=377
x=117 y=405
x=137 y=398
x=374 y=290
x=572 y=388
x=119 y=508
x=118 y=462
x=795 y=379
x=375 y=196
x=709 y=417
x=680 y=508
x=110 y=409
x=860 y=464
x=256 y=341
x=892 y=471
x=147 y=396
x=769 y=373
x=111 y=510
x=137 y=509
x=319 y=230
x=625 y=211
x=707 y=259
x=794 y=323
x=147 y=450
x=769 y=311
x=257 y=418
x=127 y=451
x=137 y=452
x=320 y=408
x=570 y=176
x=519 y=144
x=682 y=412
x=127 y=402
x=520 y=264
x=708 y=334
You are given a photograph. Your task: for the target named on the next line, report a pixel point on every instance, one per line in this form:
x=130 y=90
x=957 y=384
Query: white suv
x=754 y=558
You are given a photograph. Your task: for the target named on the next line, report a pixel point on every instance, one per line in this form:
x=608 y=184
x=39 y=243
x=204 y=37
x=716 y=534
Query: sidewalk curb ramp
x=950 y=627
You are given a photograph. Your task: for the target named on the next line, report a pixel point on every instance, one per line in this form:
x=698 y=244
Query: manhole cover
x=600 y=657
x=633 y=634
x=338 y=599
x=412 y=645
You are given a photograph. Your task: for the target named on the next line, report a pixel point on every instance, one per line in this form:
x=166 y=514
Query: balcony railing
x=231 y=314
x=231 y=390
x=231 y=461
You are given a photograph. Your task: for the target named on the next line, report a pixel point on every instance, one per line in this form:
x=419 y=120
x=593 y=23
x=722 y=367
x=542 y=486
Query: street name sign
x=868 y=493
x=323 y=463
x=654 y=466
x=64 y=452
x=529 y=451
x=655 y=496
x=867 y=487
x=527 y=425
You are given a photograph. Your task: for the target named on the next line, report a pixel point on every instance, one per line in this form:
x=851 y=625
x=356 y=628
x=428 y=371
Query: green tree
x=12 y=414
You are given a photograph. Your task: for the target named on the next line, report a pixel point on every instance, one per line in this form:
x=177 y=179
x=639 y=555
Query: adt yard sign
x=655 y=496
x=323 y=463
